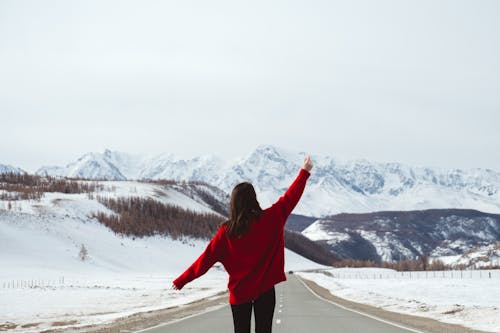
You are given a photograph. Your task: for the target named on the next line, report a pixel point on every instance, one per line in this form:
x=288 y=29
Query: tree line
x=24 y=186
x=140 y=217
x=309 y=249
x=420 y=264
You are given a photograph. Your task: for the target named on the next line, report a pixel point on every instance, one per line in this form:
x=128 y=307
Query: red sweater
x=255 y=262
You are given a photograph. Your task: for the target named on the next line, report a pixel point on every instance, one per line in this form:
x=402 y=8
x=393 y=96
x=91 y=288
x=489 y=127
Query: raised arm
x=287 y=202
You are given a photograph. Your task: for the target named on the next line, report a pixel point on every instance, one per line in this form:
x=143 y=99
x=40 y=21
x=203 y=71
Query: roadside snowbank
x=469 y=301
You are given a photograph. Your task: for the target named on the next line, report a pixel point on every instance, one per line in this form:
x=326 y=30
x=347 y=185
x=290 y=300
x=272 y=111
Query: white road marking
x=278 y=321
x=210 y=309
x=358 y=312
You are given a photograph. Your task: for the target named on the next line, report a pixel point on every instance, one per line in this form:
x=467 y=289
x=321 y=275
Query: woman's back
x=254 y=260
x=251 y=246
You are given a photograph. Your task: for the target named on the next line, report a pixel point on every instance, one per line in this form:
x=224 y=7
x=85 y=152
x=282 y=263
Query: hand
x=174 y=287
x=307 y=163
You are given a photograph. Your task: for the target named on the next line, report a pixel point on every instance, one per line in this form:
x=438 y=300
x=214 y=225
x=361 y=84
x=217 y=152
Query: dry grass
x=64 y=323
x=7 y=326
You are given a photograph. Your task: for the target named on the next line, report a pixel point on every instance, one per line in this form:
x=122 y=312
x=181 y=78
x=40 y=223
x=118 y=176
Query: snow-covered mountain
x=480 y=256
x=108 y=165
x=405 y=235
x=5 y=168
x=335 y=186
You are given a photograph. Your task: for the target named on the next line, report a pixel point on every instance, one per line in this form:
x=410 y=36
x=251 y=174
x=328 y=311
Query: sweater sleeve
x=206 y=260
x=287 y=202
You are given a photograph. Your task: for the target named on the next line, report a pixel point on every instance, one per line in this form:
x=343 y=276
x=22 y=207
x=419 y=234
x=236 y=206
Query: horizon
x=177 y=157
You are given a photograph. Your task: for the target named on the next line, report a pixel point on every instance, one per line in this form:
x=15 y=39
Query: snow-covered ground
x=44 y=282
x=486 y=255
x=468 y=298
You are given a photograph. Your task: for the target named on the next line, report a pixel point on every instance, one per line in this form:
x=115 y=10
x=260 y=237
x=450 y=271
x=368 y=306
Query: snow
x=386 y=245
x=40 y=241
x=486 y=255
x=40 y=244
x=121 y=275
x=335 y=186
x=468 y=298
x=164 y=194
x=98 y=298
x=315 y=232
x=5 y=168
x=295 y=262
x=444 y=236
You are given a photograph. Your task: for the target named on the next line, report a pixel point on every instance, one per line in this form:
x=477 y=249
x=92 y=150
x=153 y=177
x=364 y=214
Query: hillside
x=80 y=272
x=397 y=235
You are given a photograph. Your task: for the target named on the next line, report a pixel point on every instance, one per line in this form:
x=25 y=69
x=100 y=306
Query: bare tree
x=83 y=253
x=425 y=262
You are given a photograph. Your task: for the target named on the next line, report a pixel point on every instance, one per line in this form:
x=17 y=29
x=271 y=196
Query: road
x=297 y=310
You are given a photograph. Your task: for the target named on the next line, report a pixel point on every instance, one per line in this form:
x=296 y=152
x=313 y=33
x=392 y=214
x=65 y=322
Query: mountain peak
x=266 y=148
x=107 y=152
x=275 y=152
x=7 y=168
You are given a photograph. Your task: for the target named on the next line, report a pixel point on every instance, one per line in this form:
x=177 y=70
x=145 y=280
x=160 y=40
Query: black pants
x=264 y=311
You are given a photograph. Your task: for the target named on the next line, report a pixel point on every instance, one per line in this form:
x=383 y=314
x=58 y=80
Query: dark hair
x=243 y=210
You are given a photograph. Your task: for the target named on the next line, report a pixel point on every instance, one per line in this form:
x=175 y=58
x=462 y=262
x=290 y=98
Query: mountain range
x=5 y=168
x=400 y=231
x=336 y=186
x=397 y=235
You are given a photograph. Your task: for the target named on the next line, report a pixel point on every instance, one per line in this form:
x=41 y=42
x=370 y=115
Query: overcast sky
x=416 y=82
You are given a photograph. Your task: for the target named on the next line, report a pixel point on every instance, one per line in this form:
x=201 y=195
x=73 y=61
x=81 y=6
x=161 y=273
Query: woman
x=250 y=245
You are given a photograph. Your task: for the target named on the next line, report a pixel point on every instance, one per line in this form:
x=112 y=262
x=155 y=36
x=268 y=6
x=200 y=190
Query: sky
x=415 y=82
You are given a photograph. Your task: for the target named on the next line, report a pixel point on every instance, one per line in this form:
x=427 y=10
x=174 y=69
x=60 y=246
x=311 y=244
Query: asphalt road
x=297 y=310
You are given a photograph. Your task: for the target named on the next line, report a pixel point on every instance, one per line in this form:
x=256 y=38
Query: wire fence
x=32 y=283
x=463 y=274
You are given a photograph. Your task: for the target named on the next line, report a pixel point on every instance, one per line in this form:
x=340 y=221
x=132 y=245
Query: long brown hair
x=243 y=210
